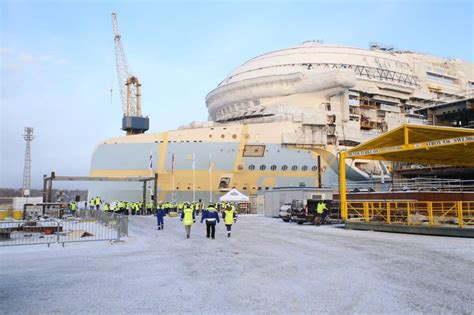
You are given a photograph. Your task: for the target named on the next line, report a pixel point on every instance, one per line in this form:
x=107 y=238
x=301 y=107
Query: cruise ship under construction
x=281 y=118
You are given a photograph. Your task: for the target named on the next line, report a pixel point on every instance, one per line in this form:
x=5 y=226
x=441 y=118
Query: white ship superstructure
x=272 y=117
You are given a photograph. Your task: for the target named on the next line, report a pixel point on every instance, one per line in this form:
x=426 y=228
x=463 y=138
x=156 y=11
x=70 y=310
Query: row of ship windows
x=304 y=168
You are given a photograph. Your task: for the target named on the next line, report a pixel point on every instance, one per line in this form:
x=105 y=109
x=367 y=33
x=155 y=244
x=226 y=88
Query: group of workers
x=210 y=215
x=188 y=212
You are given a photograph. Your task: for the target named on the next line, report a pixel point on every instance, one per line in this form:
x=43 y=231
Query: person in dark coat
x=211 y=217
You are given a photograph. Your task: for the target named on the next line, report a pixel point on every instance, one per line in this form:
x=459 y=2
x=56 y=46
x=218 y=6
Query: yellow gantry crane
x=133 y=121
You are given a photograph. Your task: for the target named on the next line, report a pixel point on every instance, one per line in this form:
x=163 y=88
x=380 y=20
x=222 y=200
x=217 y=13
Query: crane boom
x=121 y=63
x=129 y=86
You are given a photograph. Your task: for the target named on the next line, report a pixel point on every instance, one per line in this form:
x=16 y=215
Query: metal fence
x=84 y=226
x=413 y=184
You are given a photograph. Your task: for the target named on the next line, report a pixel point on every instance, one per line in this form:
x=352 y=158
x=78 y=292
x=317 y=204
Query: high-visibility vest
x=106 y=207
x=97 y=201
x=229 y=217
x=188 y=216
x=321 y=208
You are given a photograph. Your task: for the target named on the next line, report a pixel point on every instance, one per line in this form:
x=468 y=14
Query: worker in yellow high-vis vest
x=188 y=217
x=229 y=216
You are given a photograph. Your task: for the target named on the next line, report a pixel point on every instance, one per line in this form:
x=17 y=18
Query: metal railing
x=432 y=213
x=87 y=225
x=418 y=184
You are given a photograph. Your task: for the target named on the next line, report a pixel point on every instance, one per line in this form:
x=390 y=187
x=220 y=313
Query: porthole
x=222 y=136
x=177 y=188
x=263 y=167
x=210 y=136
x=234 y=136
x=284 y=167
x=314 y=168
x=189 y=188
x=294 y=168
x=304 y=168
x=240 y=167
x=273 y=167
x=251 y=167
x=244 y=188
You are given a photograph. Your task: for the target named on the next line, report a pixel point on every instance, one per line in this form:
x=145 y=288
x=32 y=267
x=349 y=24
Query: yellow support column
x=430 y=212
x=388 y=213
x=408 y=214
x=460 y=215
x=366 y=211
x=342 y=184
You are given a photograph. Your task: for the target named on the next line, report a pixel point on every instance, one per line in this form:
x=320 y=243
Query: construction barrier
x=433 y=213
x=93 y=225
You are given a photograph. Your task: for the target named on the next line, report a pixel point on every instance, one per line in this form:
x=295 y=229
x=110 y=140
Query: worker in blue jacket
x=160 y=214
x=212 y=218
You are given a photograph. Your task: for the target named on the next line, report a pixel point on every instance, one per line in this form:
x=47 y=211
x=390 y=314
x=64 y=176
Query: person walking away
x=188 y=217
x=160 y=215
x=229 y=216
x=97 y=202
x=320 y=210
x=212 y=218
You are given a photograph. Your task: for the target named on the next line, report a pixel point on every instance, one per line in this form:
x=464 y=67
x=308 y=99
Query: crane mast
x=130 y=88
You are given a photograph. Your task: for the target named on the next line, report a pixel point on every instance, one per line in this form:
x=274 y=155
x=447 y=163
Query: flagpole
x=151 y=173
x=210 y=178
x=173 y=196
x=194 y=177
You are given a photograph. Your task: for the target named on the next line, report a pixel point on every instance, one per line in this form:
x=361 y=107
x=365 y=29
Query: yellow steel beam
x=410 y=147
x=342 y=184
x=405 y=135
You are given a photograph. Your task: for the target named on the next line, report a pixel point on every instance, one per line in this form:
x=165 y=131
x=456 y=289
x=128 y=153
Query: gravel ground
x=267 y=266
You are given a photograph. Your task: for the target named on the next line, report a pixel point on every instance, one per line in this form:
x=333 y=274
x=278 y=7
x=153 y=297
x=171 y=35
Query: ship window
x=234 y=136
x=294 y=168
x=314 y=168
x=222 y=136
x=273 y=167
x=240 y=167
x=244 y=188
x=210 y=136
x=259 y=188
x=266 y=188
x=262 y=167
x=251 y=167
x=284 y=167
x=304 y=168
x=254 y=151
x=189 y=188
x=177 y=188
x=224 y=183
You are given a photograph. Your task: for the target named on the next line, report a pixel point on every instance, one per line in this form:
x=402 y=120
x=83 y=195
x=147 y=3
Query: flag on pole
x=172 y=163
x=150 y=165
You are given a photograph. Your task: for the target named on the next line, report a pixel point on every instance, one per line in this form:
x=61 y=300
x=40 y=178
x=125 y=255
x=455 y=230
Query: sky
x=58 y=62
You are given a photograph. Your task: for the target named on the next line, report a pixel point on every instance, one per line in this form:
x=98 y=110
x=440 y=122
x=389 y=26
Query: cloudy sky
x=58 y=67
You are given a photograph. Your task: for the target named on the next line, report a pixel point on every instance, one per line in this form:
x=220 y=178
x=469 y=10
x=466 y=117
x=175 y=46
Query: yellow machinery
x=416 y=144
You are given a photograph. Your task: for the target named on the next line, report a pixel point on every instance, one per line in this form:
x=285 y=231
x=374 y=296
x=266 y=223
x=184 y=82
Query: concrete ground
x=267 y=266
